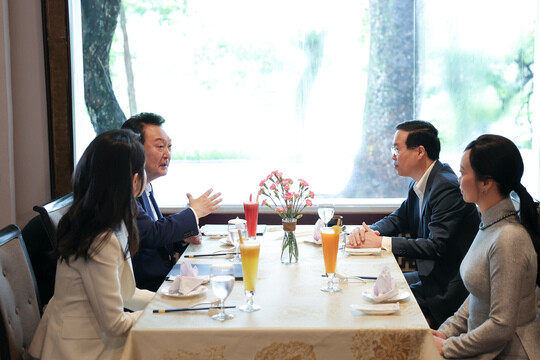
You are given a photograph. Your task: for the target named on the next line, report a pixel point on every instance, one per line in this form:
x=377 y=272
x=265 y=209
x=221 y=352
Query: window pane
x=249 y=87
x=476 y=75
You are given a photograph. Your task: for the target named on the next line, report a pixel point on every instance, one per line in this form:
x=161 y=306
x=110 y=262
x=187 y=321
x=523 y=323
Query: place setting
x=186 y=284
x=383 y=298
x=222 y=277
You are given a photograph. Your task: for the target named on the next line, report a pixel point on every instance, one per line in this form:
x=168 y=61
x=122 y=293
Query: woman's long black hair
x=103 y=195
x=496 y=157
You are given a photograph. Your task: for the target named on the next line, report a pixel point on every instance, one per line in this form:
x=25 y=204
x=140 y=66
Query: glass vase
x=289 y=246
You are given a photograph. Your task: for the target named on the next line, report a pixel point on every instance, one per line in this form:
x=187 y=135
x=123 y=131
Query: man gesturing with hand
x=162 y=238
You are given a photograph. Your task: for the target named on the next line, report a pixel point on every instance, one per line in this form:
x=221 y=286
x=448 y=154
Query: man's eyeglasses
x=395 y=151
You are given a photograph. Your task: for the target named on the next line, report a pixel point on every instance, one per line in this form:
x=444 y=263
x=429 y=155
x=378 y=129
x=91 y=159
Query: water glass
x=326 y=212
x=222 y=281
x=235 y=228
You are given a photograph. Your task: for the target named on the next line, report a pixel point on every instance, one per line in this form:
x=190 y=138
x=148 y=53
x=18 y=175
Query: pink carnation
x=261 y=184
x=308 y=202
x=279 y=209
x=264 y=202
x=288 y=196
x=311 y=194
x=272 y=187
x=286 y=188
x=303 y=182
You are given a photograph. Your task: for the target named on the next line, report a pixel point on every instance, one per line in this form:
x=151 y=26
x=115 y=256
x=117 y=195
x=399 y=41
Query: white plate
x=225 y=241
x=376 y=309
x=199 y=290
x=312 y=240
x=401 y=296
x=205 y=278
x=363 y=251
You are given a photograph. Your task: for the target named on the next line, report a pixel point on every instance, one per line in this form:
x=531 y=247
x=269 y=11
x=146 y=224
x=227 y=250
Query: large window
x=312 y=88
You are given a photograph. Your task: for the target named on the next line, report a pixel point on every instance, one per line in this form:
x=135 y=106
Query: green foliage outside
x=479 y=90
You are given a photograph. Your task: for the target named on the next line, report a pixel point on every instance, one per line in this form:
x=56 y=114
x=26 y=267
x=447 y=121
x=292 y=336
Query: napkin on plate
x=317 y=231
x=385 y=286
x=187 y=281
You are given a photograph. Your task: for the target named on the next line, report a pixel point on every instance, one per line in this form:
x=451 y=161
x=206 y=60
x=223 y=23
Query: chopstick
x=162 y=311
x=359 y=276
x=213 y=254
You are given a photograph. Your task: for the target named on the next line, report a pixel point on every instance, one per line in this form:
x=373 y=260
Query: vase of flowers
x=288 y=204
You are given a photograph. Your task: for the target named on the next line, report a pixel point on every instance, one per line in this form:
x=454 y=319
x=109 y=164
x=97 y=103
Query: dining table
x=296 y=321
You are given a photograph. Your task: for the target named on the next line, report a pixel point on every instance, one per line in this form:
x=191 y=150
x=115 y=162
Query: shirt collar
x=420 y=186
x=148 y=189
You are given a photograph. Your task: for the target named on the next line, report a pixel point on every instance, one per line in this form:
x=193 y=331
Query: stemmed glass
x=237 y=227
x=222 y=281
x=326 y=211
x=330 y=244
x=250 y=263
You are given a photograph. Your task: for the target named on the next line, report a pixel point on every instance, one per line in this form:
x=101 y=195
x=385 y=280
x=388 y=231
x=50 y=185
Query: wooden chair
x=52 y=212
x=19 y=300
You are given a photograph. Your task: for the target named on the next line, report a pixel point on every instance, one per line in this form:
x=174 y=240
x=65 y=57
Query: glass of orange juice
x=330 y=245
x=250 y=250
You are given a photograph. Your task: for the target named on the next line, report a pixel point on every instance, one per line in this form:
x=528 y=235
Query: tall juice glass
x=250 y=250
x=251 y=210
x=330 y=244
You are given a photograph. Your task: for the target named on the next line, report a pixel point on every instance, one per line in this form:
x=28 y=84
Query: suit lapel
x=156 y=207
x=427 y=195
x=145 y=203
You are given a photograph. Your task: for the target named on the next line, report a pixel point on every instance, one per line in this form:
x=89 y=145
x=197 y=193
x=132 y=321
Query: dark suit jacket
x=438 y=240
x=159 y=239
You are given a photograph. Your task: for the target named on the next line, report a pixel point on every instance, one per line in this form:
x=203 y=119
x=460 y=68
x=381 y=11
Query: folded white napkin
x=376 y=309
x=317 y=231
x=385 y=286
x=187 y=281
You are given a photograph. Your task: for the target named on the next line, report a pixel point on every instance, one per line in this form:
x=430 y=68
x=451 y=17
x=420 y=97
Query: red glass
x=251 y=210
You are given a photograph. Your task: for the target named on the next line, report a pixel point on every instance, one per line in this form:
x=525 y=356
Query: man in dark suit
x=438 y=224
x=162 y=238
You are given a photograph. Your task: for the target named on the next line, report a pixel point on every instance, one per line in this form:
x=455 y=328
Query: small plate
x=313 y=241
x=376 y=309
x=225 y=241
x=199 y=290
x=363 y=251
x=205 y=278
x=401 y=296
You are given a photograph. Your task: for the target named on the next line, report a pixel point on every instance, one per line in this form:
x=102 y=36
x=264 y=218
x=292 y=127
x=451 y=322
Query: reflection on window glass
x=311 y=88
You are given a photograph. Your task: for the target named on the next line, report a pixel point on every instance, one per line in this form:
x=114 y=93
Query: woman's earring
x=483 y=191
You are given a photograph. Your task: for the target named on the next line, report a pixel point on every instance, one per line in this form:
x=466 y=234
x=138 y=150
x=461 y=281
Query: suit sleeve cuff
x=387 y=243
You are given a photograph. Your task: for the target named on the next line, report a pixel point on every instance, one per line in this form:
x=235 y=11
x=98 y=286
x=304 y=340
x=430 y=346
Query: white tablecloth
x=297 y=320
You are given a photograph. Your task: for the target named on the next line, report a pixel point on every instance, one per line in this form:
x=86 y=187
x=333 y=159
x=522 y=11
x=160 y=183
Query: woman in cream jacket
x=96 y=238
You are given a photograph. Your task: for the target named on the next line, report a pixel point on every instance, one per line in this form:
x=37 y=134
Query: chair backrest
x=51 y=213
x=42 y=257
x=19 y=300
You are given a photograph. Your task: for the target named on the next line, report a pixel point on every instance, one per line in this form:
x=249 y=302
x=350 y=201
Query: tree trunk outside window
x=99 y=21
x=389 y=99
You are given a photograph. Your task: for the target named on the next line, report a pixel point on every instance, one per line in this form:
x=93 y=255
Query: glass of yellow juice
x=250 y=250
x=330 y=245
